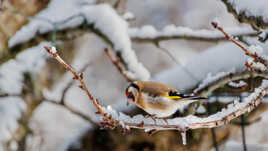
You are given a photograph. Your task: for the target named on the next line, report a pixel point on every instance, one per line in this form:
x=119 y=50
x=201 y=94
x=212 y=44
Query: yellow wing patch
x=173 y=97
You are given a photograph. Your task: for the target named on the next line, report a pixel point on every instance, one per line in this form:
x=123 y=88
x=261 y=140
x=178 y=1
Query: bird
x=158 y=99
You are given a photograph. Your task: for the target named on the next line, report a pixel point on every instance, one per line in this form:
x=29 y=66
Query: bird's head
x=132 y=92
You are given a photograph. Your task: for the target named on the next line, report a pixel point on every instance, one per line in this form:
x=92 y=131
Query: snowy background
x=190 y=50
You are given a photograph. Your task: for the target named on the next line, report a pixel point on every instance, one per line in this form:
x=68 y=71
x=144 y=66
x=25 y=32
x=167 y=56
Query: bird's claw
x=165 y=120
x=153 y=117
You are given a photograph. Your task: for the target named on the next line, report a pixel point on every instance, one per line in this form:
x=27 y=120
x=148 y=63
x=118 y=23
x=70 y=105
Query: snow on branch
x=239 y=84
x=11 y=72
x=11 y=111
x=115 y=29
x=255 y=52
x=101 y=18
x=211 y=79
x=212 y=83
x=254 y=12
x=149 y=33
x=12 y=83
x=263 y=36
x=128 y=16
x=112 y=118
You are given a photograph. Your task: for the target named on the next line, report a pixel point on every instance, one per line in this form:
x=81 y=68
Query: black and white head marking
x=131 y=90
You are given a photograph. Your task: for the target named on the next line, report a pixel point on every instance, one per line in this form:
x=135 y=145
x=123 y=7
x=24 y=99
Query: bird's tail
x=196 y=98
x=183 y=102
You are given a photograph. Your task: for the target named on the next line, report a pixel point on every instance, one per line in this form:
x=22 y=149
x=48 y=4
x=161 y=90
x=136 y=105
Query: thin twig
x=214 y=138
x=116 y=63
x=177 y=62
x=79 y=77
x=70 y=84
x=168 y=53
x=243 y=129
x=246 y=50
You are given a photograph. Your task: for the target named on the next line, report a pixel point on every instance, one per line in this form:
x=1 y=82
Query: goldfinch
x=157 y=99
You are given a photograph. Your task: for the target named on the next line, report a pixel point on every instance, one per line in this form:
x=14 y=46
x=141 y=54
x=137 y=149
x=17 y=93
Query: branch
x=68 y=86
x=112 y=118
x=255 y=56
x=93 y=17
x=79 y=77
x=212 y=83
x=247 y=11
x=116 y=63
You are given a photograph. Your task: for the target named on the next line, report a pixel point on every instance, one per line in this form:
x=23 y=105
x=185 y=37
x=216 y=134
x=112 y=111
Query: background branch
x=255 y=20
x=171 y=32
x=116 y=61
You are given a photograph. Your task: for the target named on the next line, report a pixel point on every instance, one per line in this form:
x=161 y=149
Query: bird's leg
x=152 y=116
x=141 y=124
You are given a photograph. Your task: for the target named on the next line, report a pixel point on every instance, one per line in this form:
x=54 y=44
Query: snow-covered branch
x=239 y=84
x=101 y=18
x=112 y=118
x=16 y=83
x=79 y=77
x=212 y=83
x=149 y=34
x=253 y=12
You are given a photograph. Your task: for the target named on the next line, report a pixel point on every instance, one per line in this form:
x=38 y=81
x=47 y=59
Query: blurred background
x=32 y=83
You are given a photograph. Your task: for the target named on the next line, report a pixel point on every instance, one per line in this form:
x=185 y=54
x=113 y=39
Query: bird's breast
x=161 y=110
x=159 y=106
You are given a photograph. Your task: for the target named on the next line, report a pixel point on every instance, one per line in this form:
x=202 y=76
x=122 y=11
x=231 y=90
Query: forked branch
x=79 y=77
x=116 y=62
x=254 y=55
